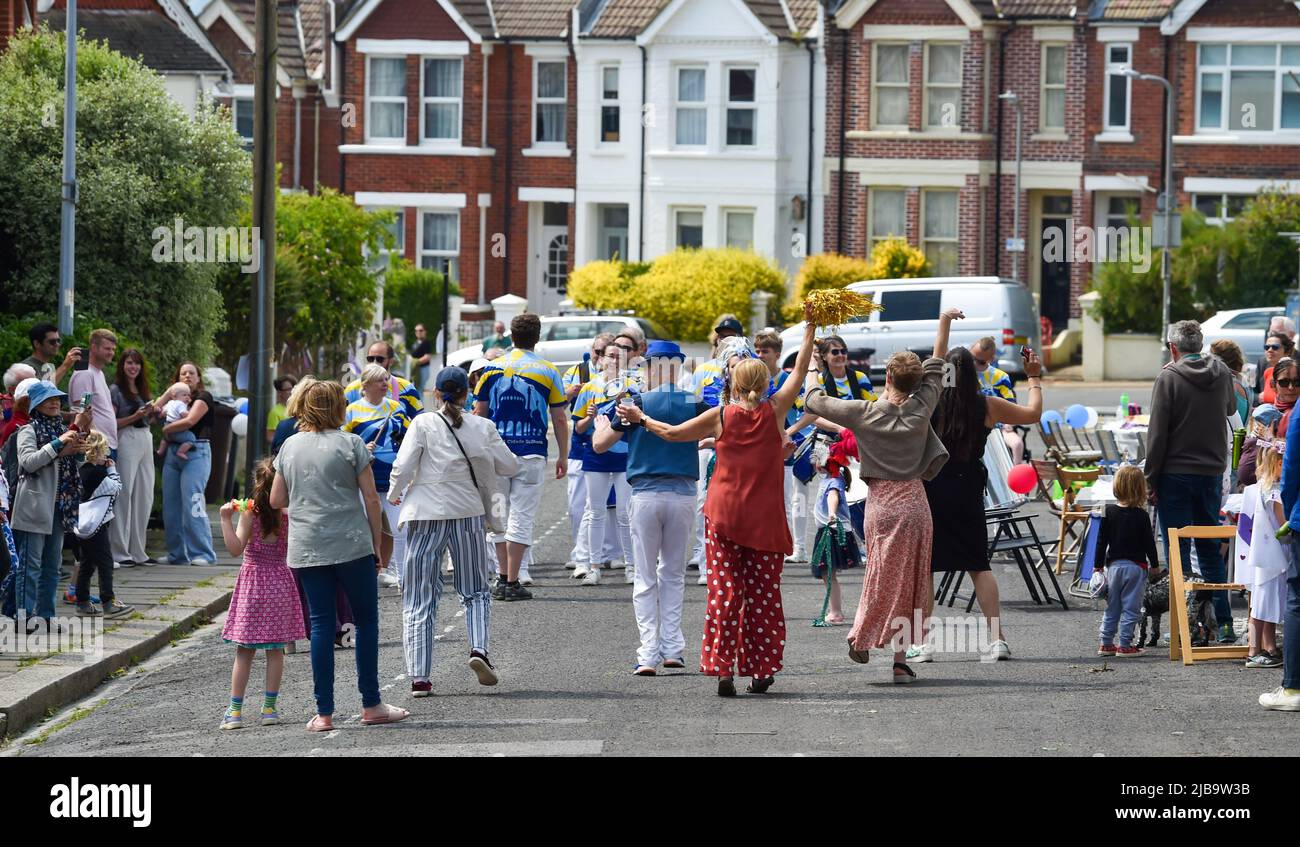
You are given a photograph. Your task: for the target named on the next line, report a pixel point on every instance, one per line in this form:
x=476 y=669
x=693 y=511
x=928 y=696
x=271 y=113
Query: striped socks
x=236 y=707
x=268 y=701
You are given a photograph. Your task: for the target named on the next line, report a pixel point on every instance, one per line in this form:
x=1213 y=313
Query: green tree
x=415 y=296
x=1130 y=298
x=142 y=162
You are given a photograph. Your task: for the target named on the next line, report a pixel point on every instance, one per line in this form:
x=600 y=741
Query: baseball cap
x=451 y=375
x=664 y=350
x=730 y=324
x=478 y=364
x=21 y=389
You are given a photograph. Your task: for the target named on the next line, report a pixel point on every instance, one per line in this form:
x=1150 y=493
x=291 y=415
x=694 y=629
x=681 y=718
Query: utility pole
x=262 y=331
x=68 y=210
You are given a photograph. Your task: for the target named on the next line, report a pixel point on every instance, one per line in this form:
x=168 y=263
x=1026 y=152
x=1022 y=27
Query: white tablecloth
x=1126 y=436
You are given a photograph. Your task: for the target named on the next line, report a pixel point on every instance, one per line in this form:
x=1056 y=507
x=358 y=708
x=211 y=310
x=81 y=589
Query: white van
x=1001 y=308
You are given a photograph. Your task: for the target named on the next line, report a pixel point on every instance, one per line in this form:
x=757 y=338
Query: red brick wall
x=410 y=19
x=233 y=50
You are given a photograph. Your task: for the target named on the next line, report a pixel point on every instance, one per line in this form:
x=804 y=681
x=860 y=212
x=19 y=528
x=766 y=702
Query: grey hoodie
x=1190 y=403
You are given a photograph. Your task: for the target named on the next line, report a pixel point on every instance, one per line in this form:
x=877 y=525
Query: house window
x=888 y=215
x=386 y=99
x=611 y=235
x=689 y=226
x=889 y=103
x=609 y=114
x=1119 y=209
x=692 y=118
x=939 y=230
x=379 y=261
x=1219 y=209
x=1248 y=87
x=943 y=86
x=549 y=95
x=1051 y=110
x=1119 y=88
x=442 y=99
x=242 y=110
x=440 y=243
x=739 y=227
x=742 y=112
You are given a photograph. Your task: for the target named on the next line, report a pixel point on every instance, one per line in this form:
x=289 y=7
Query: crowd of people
x=368 y=488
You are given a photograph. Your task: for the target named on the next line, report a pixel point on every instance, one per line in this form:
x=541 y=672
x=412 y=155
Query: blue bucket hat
x=665 y=350
x=1267 y=414
x=42 y=391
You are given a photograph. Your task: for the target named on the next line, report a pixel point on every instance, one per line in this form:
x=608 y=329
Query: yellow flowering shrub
x=682 y=291
x=894 y=258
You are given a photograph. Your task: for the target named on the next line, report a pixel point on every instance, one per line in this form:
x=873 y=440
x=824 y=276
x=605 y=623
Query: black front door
x=1055 y=261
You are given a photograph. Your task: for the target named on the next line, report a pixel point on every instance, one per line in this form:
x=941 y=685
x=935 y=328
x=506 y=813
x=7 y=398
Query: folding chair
x=1064 y=508
x=1142 y=446
x=1111 y=457
x=1074 y=455
x=1180 y=635
x=1087 y=561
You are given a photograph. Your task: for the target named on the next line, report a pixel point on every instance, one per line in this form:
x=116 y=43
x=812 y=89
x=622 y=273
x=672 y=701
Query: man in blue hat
x=663 y=476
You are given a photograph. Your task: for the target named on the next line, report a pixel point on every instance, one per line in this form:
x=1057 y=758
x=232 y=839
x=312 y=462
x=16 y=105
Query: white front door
x=551 y=259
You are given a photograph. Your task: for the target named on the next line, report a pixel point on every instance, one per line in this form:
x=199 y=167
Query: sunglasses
x=1286 y=383
x=377 y=359
x=1272 y=346
x=839 y=351
x=598 y=352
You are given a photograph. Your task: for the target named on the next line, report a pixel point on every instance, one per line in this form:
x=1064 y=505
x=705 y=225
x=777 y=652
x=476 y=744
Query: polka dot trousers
x=744 y=624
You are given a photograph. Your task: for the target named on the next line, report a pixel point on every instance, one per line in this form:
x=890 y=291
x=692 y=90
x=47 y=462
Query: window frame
x=422 y=251
x=245 y=141
x=1112 y=73
x=678 y=211
x=458 y=100
x=679 y=105
x=400 y=248
x=876 y=84
x=925 y=237
x=872 y=194
x=539 y=101
x=747 y=211
x=1044 y=86
x=372 y=99
x=603 y=231
x=603 y=103
x=1224 y=71
x=730 y=105
x=926 y=85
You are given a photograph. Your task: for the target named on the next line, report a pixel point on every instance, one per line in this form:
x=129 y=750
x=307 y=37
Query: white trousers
x=661 y=525
x=131 y=511
x=596 y=518
x=579 y=528
x=797 y=506
x=697 y=555
x=398 y=559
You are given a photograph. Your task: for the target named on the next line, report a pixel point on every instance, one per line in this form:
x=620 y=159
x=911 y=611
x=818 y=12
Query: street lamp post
x=1166 y=256
x=68 y=210
x=1010 y=97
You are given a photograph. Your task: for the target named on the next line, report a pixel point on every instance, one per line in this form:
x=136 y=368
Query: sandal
x=644 y=670
x=674 y=663
x=907 y=675
x=319 y=723
x=760 y=685
x=726 y=686
x=859 y=656
x=391 y=714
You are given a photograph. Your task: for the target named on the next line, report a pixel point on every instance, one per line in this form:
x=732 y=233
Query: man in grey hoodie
x=1187 y=451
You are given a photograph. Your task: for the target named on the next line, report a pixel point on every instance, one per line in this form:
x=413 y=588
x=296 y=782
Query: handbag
x=485 y=483
x=801 y=465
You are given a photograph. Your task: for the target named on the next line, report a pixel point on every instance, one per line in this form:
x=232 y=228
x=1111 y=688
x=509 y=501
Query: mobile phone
x=83 y=361
x=1024 y=353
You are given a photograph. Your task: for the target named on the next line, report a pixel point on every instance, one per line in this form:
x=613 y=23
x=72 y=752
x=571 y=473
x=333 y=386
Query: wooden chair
x=1180 y=635
x=1068 y=539
x=1075 y=455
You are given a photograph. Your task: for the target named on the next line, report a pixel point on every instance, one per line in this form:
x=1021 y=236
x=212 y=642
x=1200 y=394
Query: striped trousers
x=422 y=586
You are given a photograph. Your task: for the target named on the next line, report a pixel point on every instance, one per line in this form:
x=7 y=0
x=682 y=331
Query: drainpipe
x=997 y=156
x=844 y=88
x=297 y=139
x=640 y=218
x=508 y=202
x=808 y=197
x=343 y=160
x=315 y=159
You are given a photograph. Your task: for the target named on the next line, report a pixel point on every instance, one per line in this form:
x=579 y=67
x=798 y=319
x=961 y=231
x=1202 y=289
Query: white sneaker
x=525 y=578
x=580 y=570
x=629 y=575
x=1281 y=699
x=920 y=653
x=572 y=565
x=999 y=651
x=388 y=580
x=798 y=557
x=592 y=577
x=703 y=580
x=616 y=564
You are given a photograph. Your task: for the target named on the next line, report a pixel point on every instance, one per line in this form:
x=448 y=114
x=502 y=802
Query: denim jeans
x=36 y=577
x=1194 y=500
x=1291 y=646
x=185 y=510
x=1126 y=583
x=358 y=581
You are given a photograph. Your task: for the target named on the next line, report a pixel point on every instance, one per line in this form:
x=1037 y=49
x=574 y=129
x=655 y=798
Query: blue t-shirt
x=520 y=389
x=651 y=482
x=829 y=484
x=613 y=460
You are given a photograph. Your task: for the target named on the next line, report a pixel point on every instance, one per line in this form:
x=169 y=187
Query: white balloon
x=1092 y=418
x=239 y=425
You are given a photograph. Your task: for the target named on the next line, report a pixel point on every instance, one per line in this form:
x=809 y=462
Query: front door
x=1054 y=267
x=551 y=258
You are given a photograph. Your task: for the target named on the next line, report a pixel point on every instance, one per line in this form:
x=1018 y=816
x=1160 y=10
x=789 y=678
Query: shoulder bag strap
x=473 y=477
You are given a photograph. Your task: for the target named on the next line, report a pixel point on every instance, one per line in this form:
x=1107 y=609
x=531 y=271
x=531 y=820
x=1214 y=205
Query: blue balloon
x=1050 y=416
x=1077 y=416
x=243 y=406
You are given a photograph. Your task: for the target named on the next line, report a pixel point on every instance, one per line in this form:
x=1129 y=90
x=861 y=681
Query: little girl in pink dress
x=265 y=611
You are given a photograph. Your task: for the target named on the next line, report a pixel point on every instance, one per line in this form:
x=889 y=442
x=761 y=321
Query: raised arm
x=945 y=324
x=703 y=425
x=1004 y=411
x=784 y=398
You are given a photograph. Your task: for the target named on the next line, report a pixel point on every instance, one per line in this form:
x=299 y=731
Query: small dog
x=1155 y=602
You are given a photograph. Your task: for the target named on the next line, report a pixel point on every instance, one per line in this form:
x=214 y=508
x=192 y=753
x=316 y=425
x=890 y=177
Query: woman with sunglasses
x=1285 y=382
x=381 y=422
x=1277 y=347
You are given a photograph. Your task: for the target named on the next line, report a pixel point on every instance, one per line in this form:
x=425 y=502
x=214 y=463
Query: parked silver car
x=566 y=337
x=1244 y=326
x=1001 y=308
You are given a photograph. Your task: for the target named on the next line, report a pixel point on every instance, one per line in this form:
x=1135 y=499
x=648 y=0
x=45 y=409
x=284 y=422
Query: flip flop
x=392 y=714
x=318 y=725
x=859 y=656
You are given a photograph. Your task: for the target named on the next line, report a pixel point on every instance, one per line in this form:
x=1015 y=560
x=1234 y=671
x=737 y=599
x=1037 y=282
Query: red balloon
x=1022 y=479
